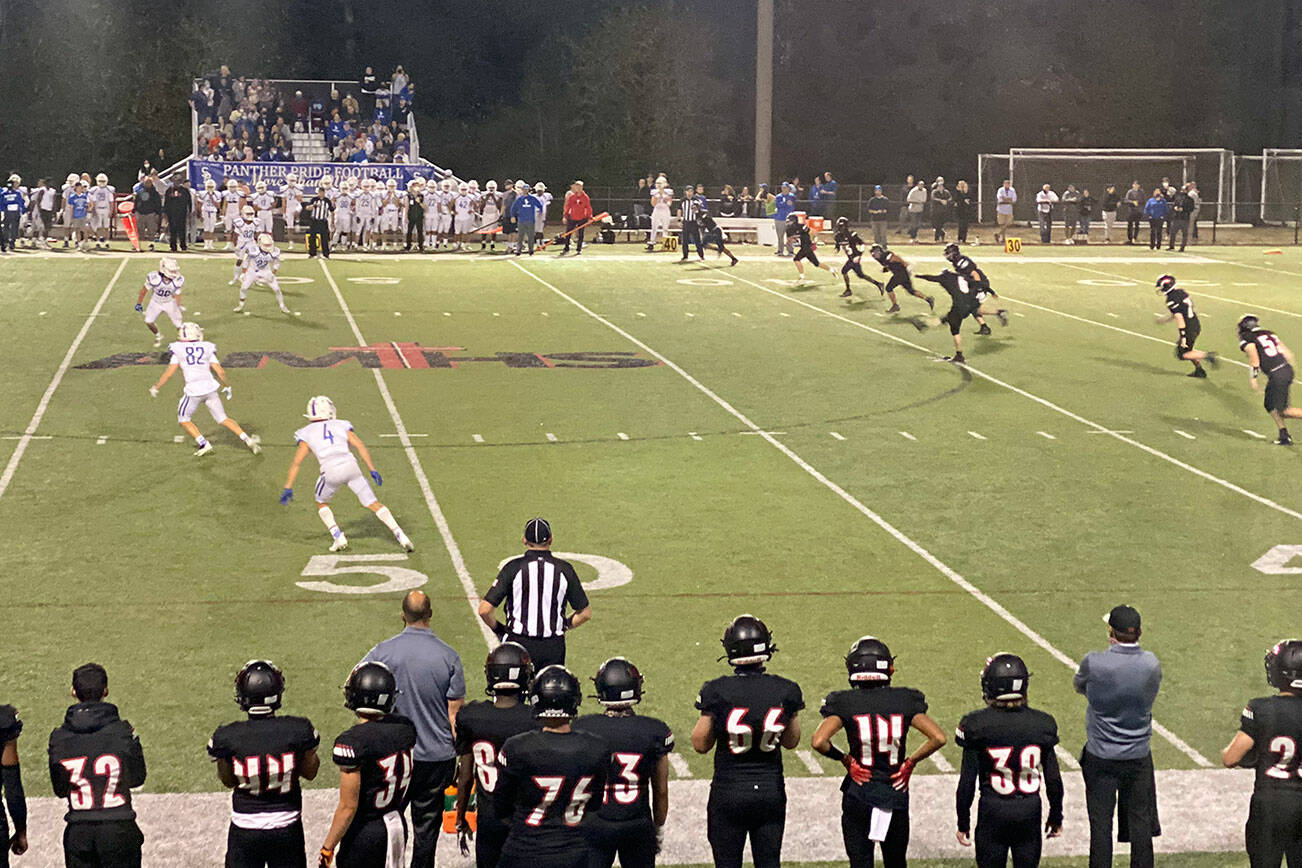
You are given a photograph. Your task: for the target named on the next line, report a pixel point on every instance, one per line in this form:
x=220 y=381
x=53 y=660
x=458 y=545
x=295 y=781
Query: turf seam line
x=850 y=499
x=12 y=467
x=431 y=502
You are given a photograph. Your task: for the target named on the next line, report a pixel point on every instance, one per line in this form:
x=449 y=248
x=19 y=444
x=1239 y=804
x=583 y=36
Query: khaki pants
x=147 y=226
x=1109 y=220
x=1004 y=221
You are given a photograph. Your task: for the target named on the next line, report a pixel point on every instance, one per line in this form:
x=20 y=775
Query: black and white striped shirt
x=320 y=207
x=690 y=210
x=533 y=590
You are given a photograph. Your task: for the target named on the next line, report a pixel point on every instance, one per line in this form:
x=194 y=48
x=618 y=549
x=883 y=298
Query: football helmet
x=508 y=669
x=291 y=179
x=260 y=187
x=842 y=222
x=446 y=185
x=747 y=641
x=463 y=188
x=661 y=182
x=319 y=409
x=371 y=688
x=327 y=181
x=101 y=180
x=1247 y=325
x=869 y=662
x=71 y=179
x=189 y=331
x=392 y=183
x=259 y=687
x=1284 y=665
x=952 y=251
x=247 y=212
x=14 y=178
x=168 y=267
x=1005 y=677
x=491 y=186
x=877 y=252
x=1165 y=283
x=266 y=242
x=209 y=184
x=540 y=187
x=473 y=185
x=619 y=683
x=555 y=693
x=521 y=186
x=231 y=184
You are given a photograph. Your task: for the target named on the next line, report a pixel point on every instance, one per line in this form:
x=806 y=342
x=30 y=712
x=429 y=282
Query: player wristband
x=568 y=621
x=1255 y=372
x=499 y=630
x=834 y=753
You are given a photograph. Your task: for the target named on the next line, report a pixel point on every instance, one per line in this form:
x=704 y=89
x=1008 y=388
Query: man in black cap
x=534 y=591
x=1121 y=685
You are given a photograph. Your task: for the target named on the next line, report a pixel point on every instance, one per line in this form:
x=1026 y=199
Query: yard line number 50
x=610 y=573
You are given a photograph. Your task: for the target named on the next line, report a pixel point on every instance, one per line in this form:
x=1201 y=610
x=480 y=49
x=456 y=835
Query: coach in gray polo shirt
x=1121 y=685
x=431 y=689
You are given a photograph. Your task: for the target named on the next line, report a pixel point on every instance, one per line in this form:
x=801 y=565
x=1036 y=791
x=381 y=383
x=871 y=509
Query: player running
x=1267 y=352
x=712 y=234
x=197 y=360
x=853 y=244
x=1181 y=309
x=804 y=241
x=900 y=276
x=260 y=266
x=332 y=440
x=164 y=287
x=975 y=277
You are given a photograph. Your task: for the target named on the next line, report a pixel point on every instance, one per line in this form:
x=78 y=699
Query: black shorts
x=1278 y=382
x=633 y=841
x=266 y=848
x=956 y=316
x=901 y=280
x=490 y=836
x=1274 y=828
x=738 y=810
x=806 y=253
x=1185 y=343
x=92 y=844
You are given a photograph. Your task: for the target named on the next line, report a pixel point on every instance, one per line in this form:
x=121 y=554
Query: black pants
x=856 y=818
x=266 y=848
x=690 y=234
x=1132 y=225
x=1008 y=827
x=318 y=232
x=938 y=228
x=367 y=844
x=1274 y=830
x=106 y=844
x=739 y=810
x=428 y=781
x=1181 y=228
x=634 y=842
x=1131 y=781
x=1155 y=233
x=962 y=230
x=9 y=230
x=543 y=652
x=569 y=227
x=176 y=233
x=489 y=837
x=576 y=859
x=416 y=225
x=904 y=282
x=853 y=265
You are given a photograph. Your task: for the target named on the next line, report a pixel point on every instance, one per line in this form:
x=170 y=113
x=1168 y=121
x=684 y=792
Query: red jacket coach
x=578 y=210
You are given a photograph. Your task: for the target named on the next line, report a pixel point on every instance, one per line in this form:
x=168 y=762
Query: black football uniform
x=975 y=277
x=710 y=232
x=876 y=721
x=621 y=824
x=267 y=802
x=11 y=726
x=546 y=783
x=748 y=795
x=1009 y=753
x=1178 y=301
x=482 y=729
x=1275 y=817
x=962 y=296
x=1279 y=373
x=850 y=241
x=800 y=232
x=95 y=760
x=899 y=272
x=381 y=750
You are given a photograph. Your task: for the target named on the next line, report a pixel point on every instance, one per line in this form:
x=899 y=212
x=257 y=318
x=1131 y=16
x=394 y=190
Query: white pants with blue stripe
x=338 y=474
x=190 y=403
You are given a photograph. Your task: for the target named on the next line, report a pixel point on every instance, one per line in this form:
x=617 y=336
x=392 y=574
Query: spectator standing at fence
x=1192 y=189
x=904 y=204
x=727 y=202
x=177 y=204
x=1156 y=209
x=879 y=212
x=641 y=193
x=830 y=188
x=367 y=86
x=964 y=209
x=1044 y=202
x=941 y=201
x=578 y=211
x=1070 y=211
x=1121 y=686
x=1109 y=210
x=1005 y=199
x=1134 y=201
x=745 y=202
x=398 y=83
x=917 y=205
x=816 y=196
x=1181 y=205
x=1087 y=205
x=149 y=210
x=785 y=203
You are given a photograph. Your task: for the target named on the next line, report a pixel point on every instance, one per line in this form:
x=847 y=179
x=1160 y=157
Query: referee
x=318 y=223
x=533 y=591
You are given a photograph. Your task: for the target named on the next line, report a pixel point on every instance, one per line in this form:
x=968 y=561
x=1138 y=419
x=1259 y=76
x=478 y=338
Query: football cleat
x=254 y=443
x=1003 y=317
x=239 y=307
x=957 y=359
x=1213 y=360
x=340 y=544
x=404 y=541
x=845 y=294
x=158 y=340
x=203 y=450
x=931 y=302
x=895 y=308
x=1198 y=374
x=985 y=329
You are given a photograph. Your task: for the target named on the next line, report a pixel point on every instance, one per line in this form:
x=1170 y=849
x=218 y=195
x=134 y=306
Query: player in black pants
x=745 y=718
x=1267 y=352
x=853 y=244
x=900 y=276
x=1181 y=310
x=1270 y=732
x=798 y=236
x=482 y=729
x=965 y=301
x=262 y=759
x=1008 y=748
x=11 y=780
x=548 y=779
x=964 y=265
x=628 y=821
x=875 y=792
x=712 y=234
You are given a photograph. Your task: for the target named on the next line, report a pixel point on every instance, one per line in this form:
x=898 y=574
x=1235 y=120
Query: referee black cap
x=537 y=532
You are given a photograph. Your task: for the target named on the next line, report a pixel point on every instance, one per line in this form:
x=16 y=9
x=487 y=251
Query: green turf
x=173 y=571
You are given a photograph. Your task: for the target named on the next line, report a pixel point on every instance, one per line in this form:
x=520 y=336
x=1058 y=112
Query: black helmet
x=1284 y=664
x=747 y=641
x=876 y=251
x=842 y=222
x=1005 y=677
x=259 y=687
x=793 y=217
x=508 y=669
x=618 y=683
x=555 y=693
x=952 y=252
x=869 y=662
x=1165 y=283
x=371 y=688
x=1247 y=325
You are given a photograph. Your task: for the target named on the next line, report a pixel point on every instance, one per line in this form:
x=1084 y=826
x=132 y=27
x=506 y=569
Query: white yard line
x=810 y=761
x=679 y=765
x=907 y=436
x=944 y=569
x=431 y=502
x=977 y=436
x=1046 y=435
x=944 y=765
x=1198 y=291
x=836 y=436
x=44 y=404
x=1065 y=758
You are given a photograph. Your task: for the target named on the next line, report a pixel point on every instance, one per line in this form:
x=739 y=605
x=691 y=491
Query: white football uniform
x=163 y=292
x=246 y=236
x=101 y=206
x=329 y=442
x=292 y=197
x=391 y=211
x=343 y=216
x=260 y=266
x=363 y=212
x=492 y=208
x=263 y=203
x=445 y=211
x=541 y=220
x=209 y=205
x=231 y=207
x=195 y=359
x=464 y=207
x=660 y=202
x=431 y=199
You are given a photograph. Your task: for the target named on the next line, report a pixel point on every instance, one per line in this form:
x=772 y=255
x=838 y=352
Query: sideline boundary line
x=945 y=570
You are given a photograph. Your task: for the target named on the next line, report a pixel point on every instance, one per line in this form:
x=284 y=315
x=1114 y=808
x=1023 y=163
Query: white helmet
x=521 y=186
x=661 y=182
x=190 y=331
x=209 y=184
x=392 y=183
x=168 y=267
x=101 y=179
x=491 y=186
x=320 y=409
x=474 y=185
x=327 y=181
x=231 y=184
x=348 y=183
x=368 y=184
x=291 y=179
x=447 y=185
x=72 y=178
x=14 y=179
x=540 y=187
x=463 y=188
x=260 y=186
x=266 y=242
x=247 y=212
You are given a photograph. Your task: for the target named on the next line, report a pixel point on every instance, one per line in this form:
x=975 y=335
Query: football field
x=705 y=441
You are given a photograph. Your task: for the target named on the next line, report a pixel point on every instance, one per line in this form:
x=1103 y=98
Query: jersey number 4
x=1025 y=779
x=397 y=777
x=82 y=795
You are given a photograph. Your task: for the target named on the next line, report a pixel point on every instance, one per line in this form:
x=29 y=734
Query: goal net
x=1281 y=185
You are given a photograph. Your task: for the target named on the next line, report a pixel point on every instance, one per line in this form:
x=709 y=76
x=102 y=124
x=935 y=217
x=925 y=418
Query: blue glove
x=375 y=474
x=139 y=308
x=286 y=496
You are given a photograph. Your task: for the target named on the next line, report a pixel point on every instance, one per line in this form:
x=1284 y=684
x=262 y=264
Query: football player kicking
x=11 y=780
x=197 y=360
x=1267 y=352
x=965 y=301
x=900 y=276
x=745 y=718
x=547 y=778
x=164 y=287
x=1009 y=748
x=1181 y=310
x=630 y=817
x=482 y=729
x=853 y=244
x=260 y=266
x=332 y=441
x=375 y=765
x=262 y=760
x=876 y=717
x=1270 y=732
x=798 y=233
x=976 y=277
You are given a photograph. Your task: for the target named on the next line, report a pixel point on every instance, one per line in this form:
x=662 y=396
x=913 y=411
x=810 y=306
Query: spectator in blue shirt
x=816 y=196
x=524 y=211
x=1155 y=210
x=13 y=204
x=334 y=130
x=785 y=203
x=828 y=196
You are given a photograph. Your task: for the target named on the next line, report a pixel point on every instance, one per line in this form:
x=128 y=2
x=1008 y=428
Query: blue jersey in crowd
x=12 y=200
x=78 y=202
x=786 y=203
x=1156 y=208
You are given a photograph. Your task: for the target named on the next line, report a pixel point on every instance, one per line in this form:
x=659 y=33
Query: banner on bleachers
x=308 y=173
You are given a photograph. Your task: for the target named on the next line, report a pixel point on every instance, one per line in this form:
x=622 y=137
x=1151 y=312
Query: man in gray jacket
x=1121 y=685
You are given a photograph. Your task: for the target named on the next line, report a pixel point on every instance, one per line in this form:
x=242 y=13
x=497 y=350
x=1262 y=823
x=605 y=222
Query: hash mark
x=447 y=313
x=976 y=435
x=397 y=313
x=545 y=313
x=695 y=436
x=1254 y=434
x=1185 y=434
x=907 y=436
x=622 y=436
x=478 y=438
x=783 y=313
x=101 y=441
x=1113 y=315
x=639 y=313
x=178 y=439
x=691 y=314
x=835 y=435
x=551 y=437
x=1046 y=435
x=734 y=313
x=1017 y=313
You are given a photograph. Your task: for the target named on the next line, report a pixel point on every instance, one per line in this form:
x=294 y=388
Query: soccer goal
x=1281 y=185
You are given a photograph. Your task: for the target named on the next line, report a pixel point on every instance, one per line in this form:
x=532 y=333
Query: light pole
x=763 y=91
